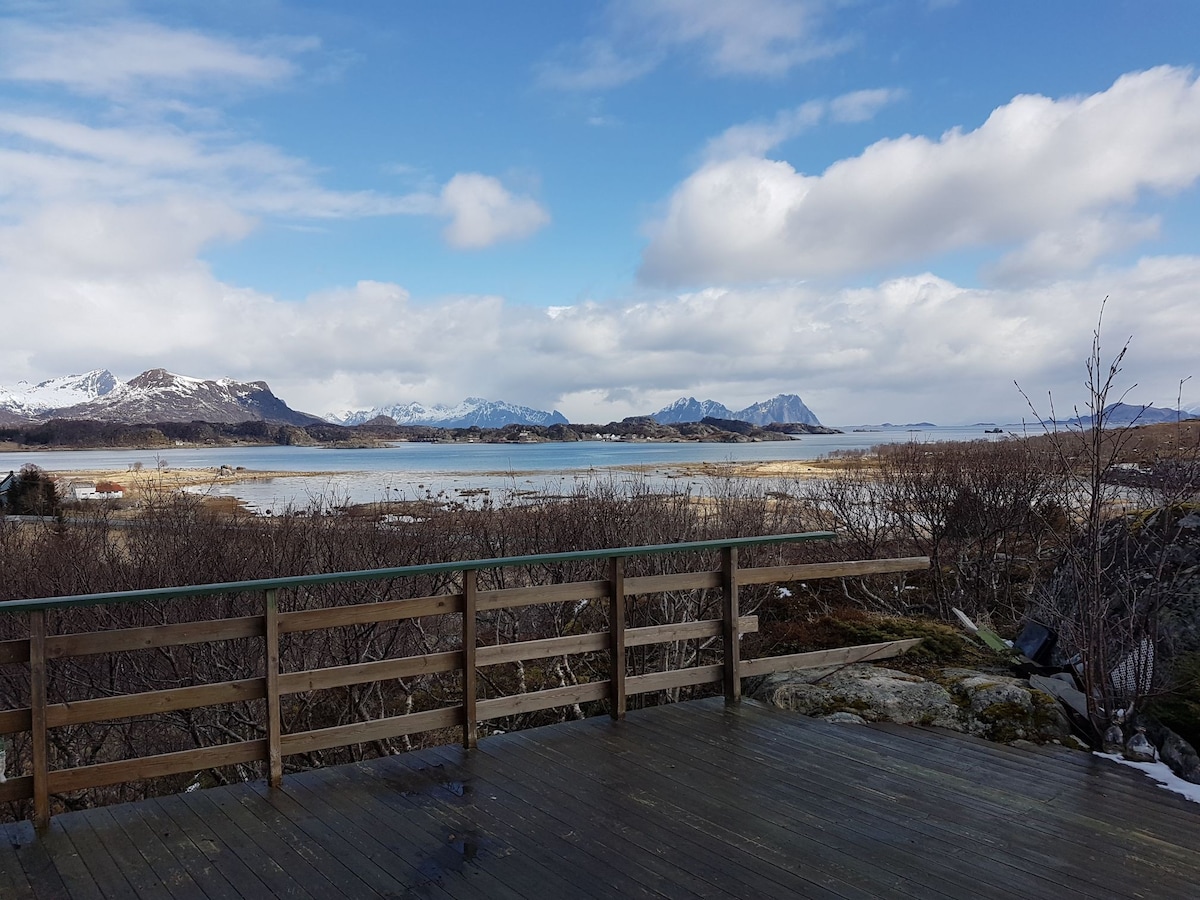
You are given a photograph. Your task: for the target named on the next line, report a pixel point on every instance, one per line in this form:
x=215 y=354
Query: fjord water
x=413 y=470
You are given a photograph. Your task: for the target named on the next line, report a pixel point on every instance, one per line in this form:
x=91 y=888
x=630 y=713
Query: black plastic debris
x=1036 y=642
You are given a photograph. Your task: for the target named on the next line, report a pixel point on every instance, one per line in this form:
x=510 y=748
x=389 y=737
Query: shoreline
x=142 y=482
x=149 y=481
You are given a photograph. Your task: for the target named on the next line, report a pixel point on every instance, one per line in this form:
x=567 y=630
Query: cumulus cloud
x=1036 y=170
x=763 y=38
x=483 y=212
x=917 y=347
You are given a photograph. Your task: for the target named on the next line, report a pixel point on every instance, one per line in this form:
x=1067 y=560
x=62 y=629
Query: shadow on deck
x=694 y=799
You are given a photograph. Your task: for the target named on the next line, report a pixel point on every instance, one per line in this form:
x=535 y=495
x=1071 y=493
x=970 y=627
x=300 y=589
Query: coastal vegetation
x=998 y=519
x=80 y=434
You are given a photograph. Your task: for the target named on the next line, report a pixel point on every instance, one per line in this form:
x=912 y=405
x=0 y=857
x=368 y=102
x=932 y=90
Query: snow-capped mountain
x=784 y=408
x=33 y=401
x=1134 y=414
x=689 y=409
x=472 y=411
x=154 y=396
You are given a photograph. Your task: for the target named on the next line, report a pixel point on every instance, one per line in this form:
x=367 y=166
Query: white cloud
x=918 y=347
x=753 y=37
x=82 y=239
x=1037 y=167
x=201 y=179
x=593 y=65
x=861 y=106
x=116 y=59
x=762 y=38
x=482 y=212
x=1072 y=249
x=759 y=138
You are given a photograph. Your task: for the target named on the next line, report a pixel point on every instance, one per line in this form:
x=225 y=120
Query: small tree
x=33 y=494
x=1099 y=612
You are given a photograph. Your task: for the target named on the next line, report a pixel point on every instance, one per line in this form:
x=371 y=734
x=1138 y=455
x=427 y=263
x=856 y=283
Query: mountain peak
x=470 y=412
x=156 y=395
x=782 y=408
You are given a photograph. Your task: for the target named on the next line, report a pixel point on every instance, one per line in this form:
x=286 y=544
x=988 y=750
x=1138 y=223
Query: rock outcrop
x=996 y=707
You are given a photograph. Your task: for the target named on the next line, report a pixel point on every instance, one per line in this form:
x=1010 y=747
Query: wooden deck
x=696 y=799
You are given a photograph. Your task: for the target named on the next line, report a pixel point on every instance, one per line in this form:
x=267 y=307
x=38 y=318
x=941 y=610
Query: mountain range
x=161 y=396
x=472 y=411
x=1133 y=414
x=783 y=408
x=154 y=396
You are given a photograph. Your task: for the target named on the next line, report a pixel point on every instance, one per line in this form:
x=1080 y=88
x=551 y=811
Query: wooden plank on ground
x=283 y=871
x=395 y=843
x=588 y=787
x=452 y=800
x=817 y=659
x=222 y=847
x=592 y=858
x=172 y=849
x=815 y=571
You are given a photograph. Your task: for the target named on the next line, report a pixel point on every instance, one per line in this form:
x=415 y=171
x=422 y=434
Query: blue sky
x=892 y=208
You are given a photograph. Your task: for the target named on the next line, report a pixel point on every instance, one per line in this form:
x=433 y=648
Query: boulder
x=991 y=706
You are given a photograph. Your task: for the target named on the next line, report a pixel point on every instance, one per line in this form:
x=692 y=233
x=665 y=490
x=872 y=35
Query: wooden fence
x=40 y=648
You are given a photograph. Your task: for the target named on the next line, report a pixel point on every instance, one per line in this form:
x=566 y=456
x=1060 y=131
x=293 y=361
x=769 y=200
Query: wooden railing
x=467 y=601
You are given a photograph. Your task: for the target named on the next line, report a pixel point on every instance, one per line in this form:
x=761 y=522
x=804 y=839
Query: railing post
x=470 y=723
x=616 y=628
x=37 y=715
x=271 y=664
x=729 y=625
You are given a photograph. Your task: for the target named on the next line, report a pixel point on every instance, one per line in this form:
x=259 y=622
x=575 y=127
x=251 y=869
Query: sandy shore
x=149 y=481
x=774 y=469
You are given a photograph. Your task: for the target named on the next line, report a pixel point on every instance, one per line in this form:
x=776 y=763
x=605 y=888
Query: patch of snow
x=58 y=393
x=1161 y=773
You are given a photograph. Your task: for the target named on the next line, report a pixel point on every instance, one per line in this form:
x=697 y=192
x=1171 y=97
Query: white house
x=83 y=490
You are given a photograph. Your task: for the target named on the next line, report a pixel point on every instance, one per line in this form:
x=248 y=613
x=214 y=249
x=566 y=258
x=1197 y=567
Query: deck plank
x=698 y=799
x=842 y=837
x=493 y=834
x=1070 y=839
x=705 y=864
x=872 y=811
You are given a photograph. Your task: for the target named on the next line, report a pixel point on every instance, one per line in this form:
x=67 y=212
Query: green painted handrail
x=262 y=584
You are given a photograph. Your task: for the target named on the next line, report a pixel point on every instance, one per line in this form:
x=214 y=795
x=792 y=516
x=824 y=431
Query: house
x=83 y=490
x=5 y=484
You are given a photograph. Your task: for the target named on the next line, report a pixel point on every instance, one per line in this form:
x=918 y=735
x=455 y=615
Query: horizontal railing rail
x=466 y=601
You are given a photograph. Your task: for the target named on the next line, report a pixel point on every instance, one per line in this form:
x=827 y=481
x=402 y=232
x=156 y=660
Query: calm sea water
x=412 y=470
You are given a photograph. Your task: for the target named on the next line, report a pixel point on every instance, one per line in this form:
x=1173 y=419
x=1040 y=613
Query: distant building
x=83 y=490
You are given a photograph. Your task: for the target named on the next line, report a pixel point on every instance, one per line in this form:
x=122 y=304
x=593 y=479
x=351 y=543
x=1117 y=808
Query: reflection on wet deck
x=695 y=799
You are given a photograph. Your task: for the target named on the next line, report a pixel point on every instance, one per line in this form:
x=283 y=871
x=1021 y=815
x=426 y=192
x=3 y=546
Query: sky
x=900 y=210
